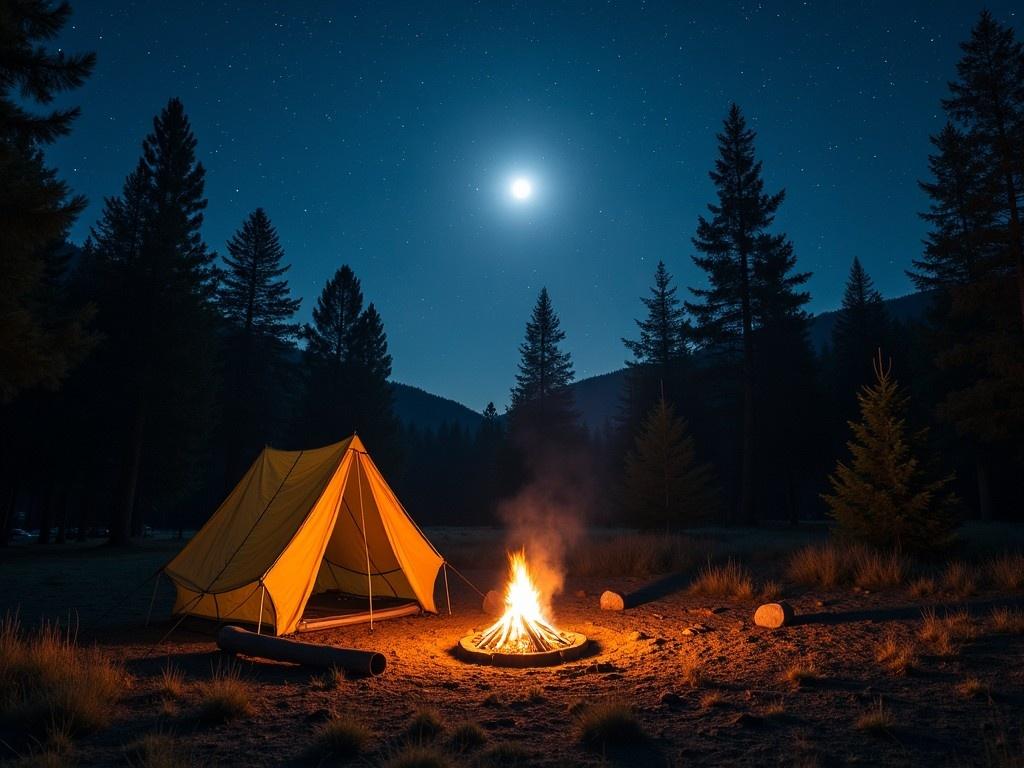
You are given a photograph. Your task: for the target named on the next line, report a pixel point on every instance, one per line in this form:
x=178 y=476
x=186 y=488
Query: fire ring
x=468 y=650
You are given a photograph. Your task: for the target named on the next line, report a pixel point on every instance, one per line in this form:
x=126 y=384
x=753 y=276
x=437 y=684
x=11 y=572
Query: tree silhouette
x=41 y=337
x=861 y=328
x=255 y=300
x=664 y=483
x=750 y=282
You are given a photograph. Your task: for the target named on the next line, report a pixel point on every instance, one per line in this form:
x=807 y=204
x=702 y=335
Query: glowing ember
x=522 y=628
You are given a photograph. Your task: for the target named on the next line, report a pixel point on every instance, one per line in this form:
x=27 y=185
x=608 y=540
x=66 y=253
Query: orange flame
x=523 y=627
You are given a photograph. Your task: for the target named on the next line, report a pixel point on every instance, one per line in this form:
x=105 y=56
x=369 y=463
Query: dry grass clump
x=712 y=699
x=971 y=688
x=641 y=554
x=1007 y=621
x=155 y=750
x=948 y=632
x=609 y=724
x=535 y=696
x=876 y=570
x=225 y=696
x=730 y=580
x=898 y=657
x=426 y=725
x=822 y=565
x=959 y=579
x=327 y=680
x=417 y=756
x=172 y=682
x=774 y=710
x=691 y=672
x=771 y=590
x=467 y=736
x=876 y=720
x=1006 y=571
x=923 y=587
x=504 y=755
x=802 y=675
x=341 y=739
x=48 y=684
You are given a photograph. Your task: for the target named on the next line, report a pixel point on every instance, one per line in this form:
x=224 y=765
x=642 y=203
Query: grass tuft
x=155 y=750
x=691 y=672
x=876 y=720
x=730 y=580
x=971 y=688
x=417 y=756
x=1007 y=621
x=801 y=675
x=225 y=696
x=609 y=725
x=341 y=739
x=823 y=565
x=172 y=682
x=504 y=755
x=712 y=699
x=50 y=685
x=876 y=570
x=771 y=590
x=426 y=725
x=1006 y=571
x=328 y=680
x=923 y=587
x=467 y=736
x=959 y=579
x=947 y=633
x=899 y=658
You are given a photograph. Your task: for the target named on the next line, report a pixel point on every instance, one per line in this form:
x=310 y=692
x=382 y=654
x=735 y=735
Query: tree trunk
x=8 y=499
x=746 y=500
x=984 y=487
x=121 y=528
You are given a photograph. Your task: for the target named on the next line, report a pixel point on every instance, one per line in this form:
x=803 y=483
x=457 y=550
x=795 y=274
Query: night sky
x=386 y=136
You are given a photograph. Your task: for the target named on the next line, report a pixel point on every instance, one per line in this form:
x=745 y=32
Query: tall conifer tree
x=861 y=328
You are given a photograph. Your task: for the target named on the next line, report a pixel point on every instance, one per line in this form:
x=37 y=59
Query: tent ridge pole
x=447 y=594
x=263 y=594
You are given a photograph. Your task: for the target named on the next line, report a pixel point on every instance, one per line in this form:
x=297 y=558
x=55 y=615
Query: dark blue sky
x=385 y=135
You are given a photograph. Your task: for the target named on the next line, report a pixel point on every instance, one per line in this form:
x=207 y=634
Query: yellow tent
x=307 y=540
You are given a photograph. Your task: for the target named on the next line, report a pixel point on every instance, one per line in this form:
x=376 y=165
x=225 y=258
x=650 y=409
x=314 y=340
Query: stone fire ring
x=467 y=651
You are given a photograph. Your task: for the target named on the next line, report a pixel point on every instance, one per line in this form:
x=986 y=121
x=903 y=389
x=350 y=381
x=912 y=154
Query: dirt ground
x=744 y=712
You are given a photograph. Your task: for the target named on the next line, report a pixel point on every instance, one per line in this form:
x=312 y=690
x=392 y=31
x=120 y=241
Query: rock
x=612 y=601
x=687 y=632
x=670 y=699
x=636 y=636
x=494 y=603
x=774 y=615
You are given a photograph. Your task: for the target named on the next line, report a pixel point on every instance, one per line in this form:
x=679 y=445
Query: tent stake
x=447 y=595
x=149 y=613
x=263 y=594
x=366 y=544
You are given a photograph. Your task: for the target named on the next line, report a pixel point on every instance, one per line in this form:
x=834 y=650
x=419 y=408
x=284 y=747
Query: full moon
x=522 y=188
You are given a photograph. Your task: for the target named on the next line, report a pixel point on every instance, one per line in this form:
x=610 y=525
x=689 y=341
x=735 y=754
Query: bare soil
x=744 y=712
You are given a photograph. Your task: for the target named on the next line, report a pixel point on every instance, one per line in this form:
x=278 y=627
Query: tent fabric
x=301 y=522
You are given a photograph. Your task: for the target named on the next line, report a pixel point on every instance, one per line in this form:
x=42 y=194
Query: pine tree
x=987 y=98
x=664 y=483
x=41 y=338
x=886 y=494
x=255 y=300
x=542 y=404
x=861 y=328
x=749 y=270
x=490 y=413
x=662 y=342
x=156 y=291
x=349 y=366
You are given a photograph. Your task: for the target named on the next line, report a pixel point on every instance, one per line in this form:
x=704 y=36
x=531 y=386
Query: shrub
x=1006 y=571
x=923 y=587
x=467 y=736
x=692 y=673
x=341 y=738
x=877 y=720
x=225 y=696
x=899 y=658
x=426 y=725
x=609 y=725
x=730 y=580
x=48 y=684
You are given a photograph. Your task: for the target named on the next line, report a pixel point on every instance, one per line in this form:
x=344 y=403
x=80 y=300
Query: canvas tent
x=306 y=540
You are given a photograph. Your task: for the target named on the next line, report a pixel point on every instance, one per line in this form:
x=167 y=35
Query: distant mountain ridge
x=417 y=407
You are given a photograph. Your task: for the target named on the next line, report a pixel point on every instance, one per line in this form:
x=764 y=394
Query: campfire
x=523 y=636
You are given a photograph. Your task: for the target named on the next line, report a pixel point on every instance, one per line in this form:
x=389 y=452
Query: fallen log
x=237 y=640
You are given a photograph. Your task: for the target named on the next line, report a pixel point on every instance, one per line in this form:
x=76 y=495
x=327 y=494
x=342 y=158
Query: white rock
x=774 y=615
